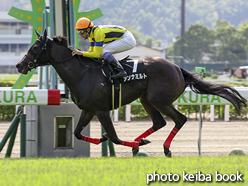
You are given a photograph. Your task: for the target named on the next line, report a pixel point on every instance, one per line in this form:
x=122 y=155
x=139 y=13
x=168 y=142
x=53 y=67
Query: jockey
x=117 y=39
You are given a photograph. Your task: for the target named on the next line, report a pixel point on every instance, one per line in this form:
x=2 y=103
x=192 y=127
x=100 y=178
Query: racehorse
x=239 y=73
x=91 y=90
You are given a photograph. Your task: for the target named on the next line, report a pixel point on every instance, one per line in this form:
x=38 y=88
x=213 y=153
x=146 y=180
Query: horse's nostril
x=18 y=65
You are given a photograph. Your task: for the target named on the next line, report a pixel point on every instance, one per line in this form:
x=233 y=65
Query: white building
x=141 y=51
x=15 y=40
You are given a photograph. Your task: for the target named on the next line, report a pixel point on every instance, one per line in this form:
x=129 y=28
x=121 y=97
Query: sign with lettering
x=188 y=97
x=29 y=97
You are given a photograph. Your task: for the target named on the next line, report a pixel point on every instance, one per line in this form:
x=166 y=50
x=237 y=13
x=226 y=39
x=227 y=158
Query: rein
x=87 y=66
x=33 y=62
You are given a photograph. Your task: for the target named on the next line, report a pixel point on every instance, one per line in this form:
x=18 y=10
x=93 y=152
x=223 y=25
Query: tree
x=149 y=41
x=243 y=30
x=195 y=43
x=230 y=43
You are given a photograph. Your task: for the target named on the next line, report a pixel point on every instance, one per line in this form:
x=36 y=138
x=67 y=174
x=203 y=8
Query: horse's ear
x=44 y=36
x=37 y=33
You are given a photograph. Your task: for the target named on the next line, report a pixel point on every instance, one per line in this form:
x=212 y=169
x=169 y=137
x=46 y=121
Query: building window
x=23 y=48
x=4 y=28
x=63 y=132
x=15 y=28
x=25 y=28
x=17 y=49
x=13 y=48
x=4 y=47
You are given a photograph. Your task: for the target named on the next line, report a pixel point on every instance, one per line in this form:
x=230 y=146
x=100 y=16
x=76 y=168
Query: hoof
x=237 y=152
x=167 y=152
x=105 y=137
x=135 y=151
x=142 y=153
x=144 y=141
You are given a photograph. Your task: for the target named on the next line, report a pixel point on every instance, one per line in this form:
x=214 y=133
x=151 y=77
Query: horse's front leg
x=85 y=118
x=106 y=122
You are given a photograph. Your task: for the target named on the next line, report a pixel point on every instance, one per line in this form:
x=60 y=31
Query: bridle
x=33 y=62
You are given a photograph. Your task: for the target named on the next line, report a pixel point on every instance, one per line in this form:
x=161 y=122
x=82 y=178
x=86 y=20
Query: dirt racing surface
x=218 y=138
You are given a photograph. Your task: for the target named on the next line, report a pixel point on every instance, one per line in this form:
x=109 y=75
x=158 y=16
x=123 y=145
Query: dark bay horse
x=91 y=91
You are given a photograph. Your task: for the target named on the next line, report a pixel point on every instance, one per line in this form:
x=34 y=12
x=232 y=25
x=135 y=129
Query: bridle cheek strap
x=33 y=62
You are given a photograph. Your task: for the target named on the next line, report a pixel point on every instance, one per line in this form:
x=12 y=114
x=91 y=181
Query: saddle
x=136 y=71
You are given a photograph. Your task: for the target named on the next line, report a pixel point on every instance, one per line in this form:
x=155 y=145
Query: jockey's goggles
x=81 y=32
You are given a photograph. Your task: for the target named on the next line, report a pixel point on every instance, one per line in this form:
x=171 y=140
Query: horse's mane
x=60 y=40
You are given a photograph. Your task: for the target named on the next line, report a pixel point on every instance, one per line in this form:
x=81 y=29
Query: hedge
x=190 y=111
x=7 y=112
x=138 y=112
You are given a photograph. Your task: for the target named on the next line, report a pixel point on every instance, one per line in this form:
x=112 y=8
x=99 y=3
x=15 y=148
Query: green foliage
x=7 y=112
x=138 y=112
x=6 y=83
x=231 y=45
x=192 y=111
x=148 y=42
x=215 y=76
x=225 y=44
x=161 y=19
x=234 y=115
x=121 y=113
x=195 y=42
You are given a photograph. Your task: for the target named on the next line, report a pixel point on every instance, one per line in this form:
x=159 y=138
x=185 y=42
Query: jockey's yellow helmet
x=83 y=23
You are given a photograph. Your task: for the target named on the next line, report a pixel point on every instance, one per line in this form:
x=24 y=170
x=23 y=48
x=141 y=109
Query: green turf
x=14 y=77
x=116 y=171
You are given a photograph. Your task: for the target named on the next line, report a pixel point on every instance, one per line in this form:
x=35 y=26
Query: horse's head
x=37 y=55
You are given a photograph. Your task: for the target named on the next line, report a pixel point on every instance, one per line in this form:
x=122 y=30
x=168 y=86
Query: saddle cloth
x=135 y=71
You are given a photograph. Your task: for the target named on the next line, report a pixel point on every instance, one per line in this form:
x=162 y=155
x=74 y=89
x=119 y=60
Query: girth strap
x=116 y=94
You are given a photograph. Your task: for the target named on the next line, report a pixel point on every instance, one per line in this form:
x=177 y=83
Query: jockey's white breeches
x=127 y=42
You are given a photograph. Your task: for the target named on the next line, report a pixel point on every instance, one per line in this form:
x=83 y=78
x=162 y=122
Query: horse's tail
x=199 y=86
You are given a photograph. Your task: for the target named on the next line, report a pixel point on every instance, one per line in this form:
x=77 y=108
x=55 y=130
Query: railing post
x=23 y=135
x=104 y=145
x=111 y=148
x=12 y=126
x=12 y=140
x=200 y=129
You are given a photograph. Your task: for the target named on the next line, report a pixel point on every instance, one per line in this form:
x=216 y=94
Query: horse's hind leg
x=157 y=119
x=179 y=120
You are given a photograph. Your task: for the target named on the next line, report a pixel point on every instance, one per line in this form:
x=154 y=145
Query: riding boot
x=116 y=64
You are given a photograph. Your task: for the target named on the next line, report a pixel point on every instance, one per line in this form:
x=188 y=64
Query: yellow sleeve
x=96 y=45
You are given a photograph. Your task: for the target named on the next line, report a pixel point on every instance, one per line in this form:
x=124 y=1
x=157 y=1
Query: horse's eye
x=35 y=48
